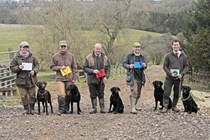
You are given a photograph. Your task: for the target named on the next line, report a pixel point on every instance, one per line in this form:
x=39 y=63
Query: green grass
x=11 y=37
x=10 y=100
x=46 y=76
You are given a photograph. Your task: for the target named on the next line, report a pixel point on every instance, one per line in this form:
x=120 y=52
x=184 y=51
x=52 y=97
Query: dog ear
x=182 y=87
x=189 y=88
x=112 y=89
x=38 y=84
x=45 y=82
x=118 y=88
x=161 y=83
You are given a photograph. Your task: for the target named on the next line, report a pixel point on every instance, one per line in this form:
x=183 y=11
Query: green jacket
x=90 y=65
x=129 y=59
x=24 y=79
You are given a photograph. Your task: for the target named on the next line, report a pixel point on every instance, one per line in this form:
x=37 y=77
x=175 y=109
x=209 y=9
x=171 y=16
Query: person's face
x=137 y=49
x=97 y=49
x=175 y=46
x=24 y=49
x=63 y=48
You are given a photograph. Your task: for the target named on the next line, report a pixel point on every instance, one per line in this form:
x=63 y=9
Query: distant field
x=12 y=35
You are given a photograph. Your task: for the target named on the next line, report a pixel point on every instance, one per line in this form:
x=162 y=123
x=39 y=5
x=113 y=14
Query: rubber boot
x=138 y=109
x=164 y=110
x=174 y=108
x=32 y=110
x=26 y=109
x=61 y=105
x=133 y=105
x=67 y=102
x=102 y=108
x=94 y=106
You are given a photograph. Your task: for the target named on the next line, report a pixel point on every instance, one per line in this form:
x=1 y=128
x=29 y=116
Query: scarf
x=24 y=54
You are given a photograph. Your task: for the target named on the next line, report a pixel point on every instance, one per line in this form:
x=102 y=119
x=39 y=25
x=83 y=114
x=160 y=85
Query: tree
x=111 y=21
x=197 y=34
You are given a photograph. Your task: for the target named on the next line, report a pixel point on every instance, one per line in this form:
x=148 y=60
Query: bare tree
x=111 y=20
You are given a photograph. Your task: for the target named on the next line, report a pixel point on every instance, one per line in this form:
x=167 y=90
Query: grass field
x=12 y=35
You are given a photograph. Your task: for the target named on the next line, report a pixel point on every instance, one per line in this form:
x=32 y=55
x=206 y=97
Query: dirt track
x=146 y=125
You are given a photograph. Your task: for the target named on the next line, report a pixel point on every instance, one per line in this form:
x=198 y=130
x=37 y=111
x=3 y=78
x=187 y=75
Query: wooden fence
x=7 y=78
x=116 y=71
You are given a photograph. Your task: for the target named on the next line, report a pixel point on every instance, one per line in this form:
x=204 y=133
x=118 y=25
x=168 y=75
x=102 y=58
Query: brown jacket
x=90 y=65
x=173 y=62
x=24 y=79
x=64 y=59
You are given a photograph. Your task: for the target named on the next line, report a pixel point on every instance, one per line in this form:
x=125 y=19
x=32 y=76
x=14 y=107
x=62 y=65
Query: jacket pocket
x=21 y=81
x=91 y=79
x=129 y=79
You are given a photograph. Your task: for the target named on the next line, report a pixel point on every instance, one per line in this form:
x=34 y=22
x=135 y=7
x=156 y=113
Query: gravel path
x=146 y=125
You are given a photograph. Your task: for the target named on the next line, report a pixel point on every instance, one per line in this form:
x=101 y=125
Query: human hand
x=173 y=75
x=104 y=80
x=144 y=64
x=32 y=73
x=131 y=66
x=96 y=71
x=180 y=76
x=63 y=67
x=21 y=67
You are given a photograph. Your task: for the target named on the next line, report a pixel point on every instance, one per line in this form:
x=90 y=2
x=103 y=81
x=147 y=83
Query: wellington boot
x=133 y=105
x=61 y=105
x=102 y=108
x=94 y=106
x=32 y=110
x=93 y=111
x=137 y=109
x=26 y=110
x=164 y=110
x=175 y=109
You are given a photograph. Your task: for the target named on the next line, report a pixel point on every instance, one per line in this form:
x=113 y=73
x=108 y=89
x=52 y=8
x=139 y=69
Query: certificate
x=66 y=71
x=137 y=65
x=175 y=71
x=100 y=74
x=27 y=66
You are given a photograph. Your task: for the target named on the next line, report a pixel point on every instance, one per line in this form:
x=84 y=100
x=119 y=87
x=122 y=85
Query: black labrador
x=158 y=94
x=72 y=96
x=187 y=100
x=44 y=97
x=116 y=101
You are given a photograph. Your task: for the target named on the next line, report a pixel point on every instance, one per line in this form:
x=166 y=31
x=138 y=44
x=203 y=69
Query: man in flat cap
x=135 y=64
x=65 y=66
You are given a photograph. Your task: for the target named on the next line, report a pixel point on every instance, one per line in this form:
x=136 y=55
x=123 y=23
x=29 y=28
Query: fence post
x=11 y=54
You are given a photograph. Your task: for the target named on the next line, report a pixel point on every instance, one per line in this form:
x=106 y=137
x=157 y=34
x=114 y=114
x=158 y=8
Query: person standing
x=26 y=67
x=97 y=67
x=65 y=66
x=135 y=64
x=175 y=66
